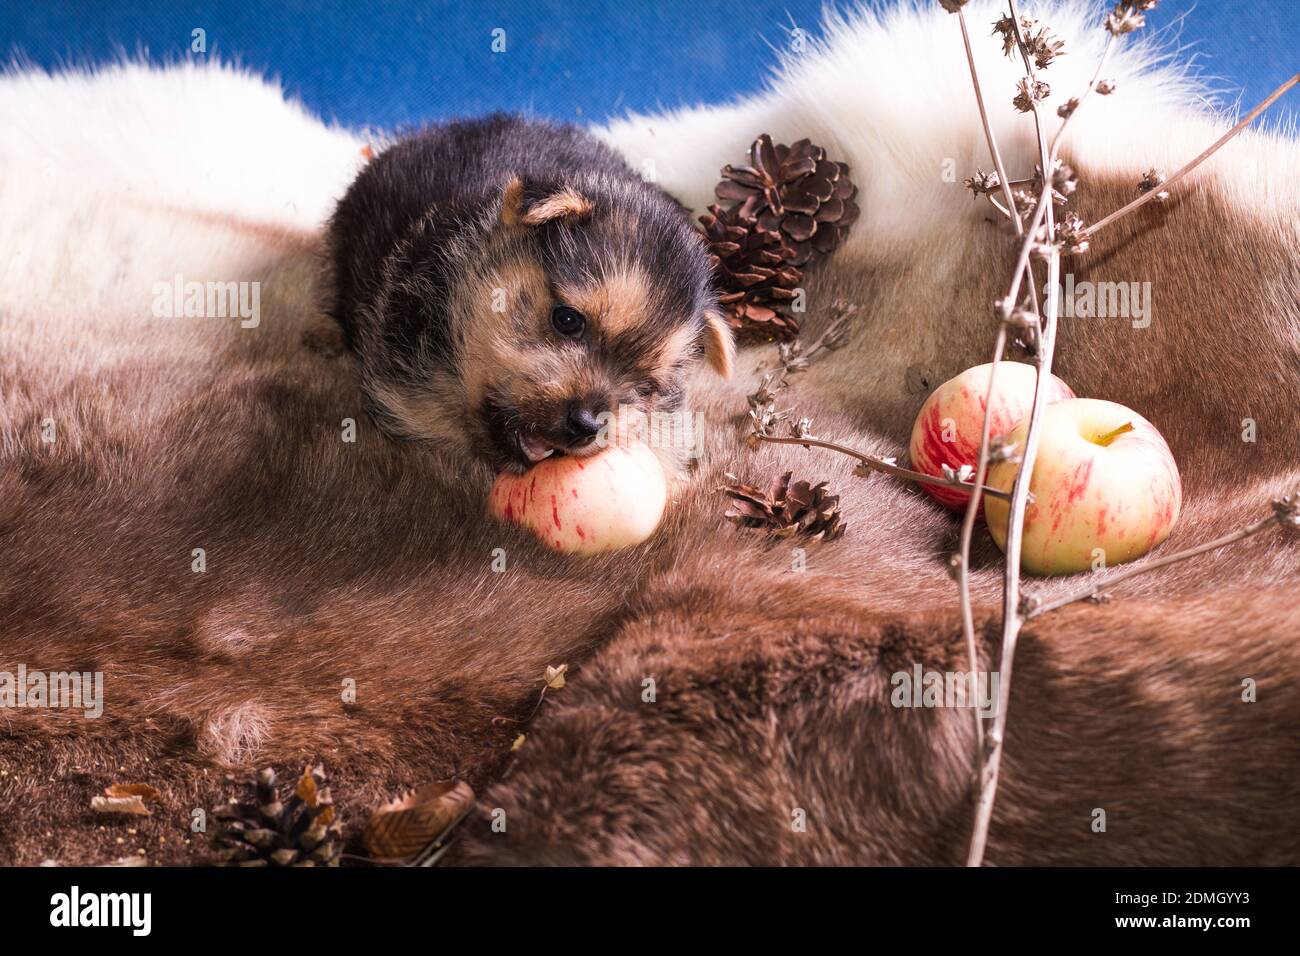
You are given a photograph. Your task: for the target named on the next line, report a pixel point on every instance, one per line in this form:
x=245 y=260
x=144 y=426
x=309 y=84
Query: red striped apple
x=585 y=505
x=948 y=428
x=1105 y=485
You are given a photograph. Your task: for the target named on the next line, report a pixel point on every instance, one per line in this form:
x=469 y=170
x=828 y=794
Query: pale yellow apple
x=1106 y=488
x=612 y=499
x=950 y=424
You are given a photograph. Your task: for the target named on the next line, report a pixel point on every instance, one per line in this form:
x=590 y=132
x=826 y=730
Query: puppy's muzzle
x=577 y=427
x=582 y=424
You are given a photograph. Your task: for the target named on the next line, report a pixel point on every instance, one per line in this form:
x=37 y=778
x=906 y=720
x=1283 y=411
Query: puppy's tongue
x=535 y=448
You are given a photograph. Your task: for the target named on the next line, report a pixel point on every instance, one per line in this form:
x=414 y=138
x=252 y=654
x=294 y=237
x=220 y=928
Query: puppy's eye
x=568 y=321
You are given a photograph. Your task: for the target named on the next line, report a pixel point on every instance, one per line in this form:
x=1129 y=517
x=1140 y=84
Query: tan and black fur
x=451 y=252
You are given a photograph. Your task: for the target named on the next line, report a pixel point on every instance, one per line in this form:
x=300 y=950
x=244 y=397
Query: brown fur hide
x=371 y=561
x=773 y=688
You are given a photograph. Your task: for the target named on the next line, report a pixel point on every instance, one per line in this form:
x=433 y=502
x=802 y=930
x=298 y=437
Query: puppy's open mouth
x=516 y=445
x=535 y=446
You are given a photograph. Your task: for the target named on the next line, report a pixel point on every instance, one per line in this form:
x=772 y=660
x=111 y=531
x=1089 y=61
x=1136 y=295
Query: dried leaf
x=555 y=676
x=131 y=805
x=402 y=829
x=144 y=791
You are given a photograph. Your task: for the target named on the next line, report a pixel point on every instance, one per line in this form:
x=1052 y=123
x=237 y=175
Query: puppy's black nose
x=581 y=424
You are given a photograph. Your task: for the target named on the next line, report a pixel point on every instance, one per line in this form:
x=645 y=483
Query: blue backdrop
x=388 y=64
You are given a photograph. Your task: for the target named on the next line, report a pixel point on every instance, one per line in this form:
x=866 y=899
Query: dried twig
x=793 y=359
x=989 y=757
x=877 y=464
x=764 y=415
x=1148 y=196
x=1285 y=514
x=967 y=534
x=962 y=561
x=1048 y=240
x=1071 y=106
x=996 y=154
x=553 y=679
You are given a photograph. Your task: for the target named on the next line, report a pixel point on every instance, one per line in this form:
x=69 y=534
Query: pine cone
x=305 y=831
x=786 y=509
x=755 y=277
x=791 y=203
x=795 y=190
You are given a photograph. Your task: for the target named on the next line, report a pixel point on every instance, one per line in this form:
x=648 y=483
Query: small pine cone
x=794 y=190
x=786 y=509
x=756 y=278
x=305 y=831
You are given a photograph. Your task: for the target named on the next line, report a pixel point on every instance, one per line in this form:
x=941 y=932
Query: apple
x=585 y=505
x=1105 y=486
x=948 y=428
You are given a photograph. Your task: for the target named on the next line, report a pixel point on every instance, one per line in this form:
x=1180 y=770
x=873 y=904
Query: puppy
x=505 y=283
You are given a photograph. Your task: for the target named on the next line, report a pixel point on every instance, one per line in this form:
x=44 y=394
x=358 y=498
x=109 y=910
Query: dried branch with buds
x=1029 y=205
x=1150 y=195
x=1284 y=516
x=765 y=417
x=794 y=358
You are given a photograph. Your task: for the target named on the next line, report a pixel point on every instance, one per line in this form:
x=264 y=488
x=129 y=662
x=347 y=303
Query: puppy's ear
x=512 y=202
x=719 y=343
x=564 y=204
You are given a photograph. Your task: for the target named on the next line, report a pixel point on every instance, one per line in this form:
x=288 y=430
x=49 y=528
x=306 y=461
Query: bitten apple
x=613 y=499
x=1105 y=488
x=948 y=428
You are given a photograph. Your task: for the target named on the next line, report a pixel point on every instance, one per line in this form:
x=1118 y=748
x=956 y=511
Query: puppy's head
x=587 y=297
